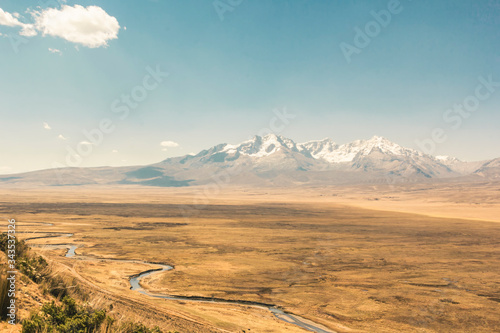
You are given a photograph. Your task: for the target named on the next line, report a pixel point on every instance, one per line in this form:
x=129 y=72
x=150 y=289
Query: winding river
x=135 y=284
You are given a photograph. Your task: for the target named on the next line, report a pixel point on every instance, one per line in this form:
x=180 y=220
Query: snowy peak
x=329 y=151
x=385 y=146
x=260 y=146
x=319 y=149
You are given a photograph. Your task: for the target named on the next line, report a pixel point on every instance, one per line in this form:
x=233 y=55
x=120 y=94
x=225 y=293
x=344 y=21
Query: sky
x=110 y=83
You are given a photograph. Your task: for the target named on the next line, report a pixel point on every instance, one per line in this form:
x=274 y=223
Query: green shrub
x=21 y=246
x=69 y=317
x=65 y=318
x=32 y=267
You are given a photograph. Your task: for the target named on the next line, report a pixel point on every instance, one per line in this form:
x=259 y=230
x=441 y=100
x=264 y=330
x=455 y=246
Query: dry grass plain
x=316 y=252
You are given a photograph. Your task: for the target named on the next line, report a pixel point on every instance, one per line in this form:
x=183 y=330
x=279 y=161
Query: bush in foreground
x=69 y=317
x=65 y=318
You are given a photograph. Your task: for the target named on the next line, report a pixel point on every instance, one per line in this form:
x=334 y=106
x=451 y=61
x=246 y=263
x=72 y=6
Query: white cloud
x=89 y=26
x=12 y=20
x=55 y=51
x=46 y=126
x=61 y=137
x=85 y=143
x=9 y=19
x=114 y=151
x=169 y=144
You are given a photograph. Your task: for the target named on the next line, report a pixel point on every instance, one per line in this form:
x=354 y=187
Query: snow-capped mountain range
x=276 y=160
x=375 y=154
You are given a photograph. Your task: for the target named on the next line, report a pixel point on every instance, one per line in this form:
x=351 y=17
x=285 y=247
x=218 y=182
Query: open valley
x=316 y=254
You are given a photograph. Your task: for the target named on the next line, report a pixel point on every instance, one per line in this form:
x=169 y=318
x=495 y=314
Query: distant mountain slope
x=276 y=160
x=490 y=169
x=460 y=166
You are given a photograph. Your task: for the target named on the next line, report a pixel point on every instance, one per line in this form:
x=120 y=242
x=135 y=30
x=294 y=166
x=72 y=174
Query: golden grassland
x=316 y=252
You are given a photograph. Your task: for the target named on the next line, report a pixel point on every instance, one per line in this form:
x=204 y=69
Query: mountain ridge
x=277 y=160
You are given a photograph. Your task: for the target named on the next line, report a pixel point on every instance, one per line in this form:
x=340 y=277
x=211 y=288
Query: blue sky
x=230 y=64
